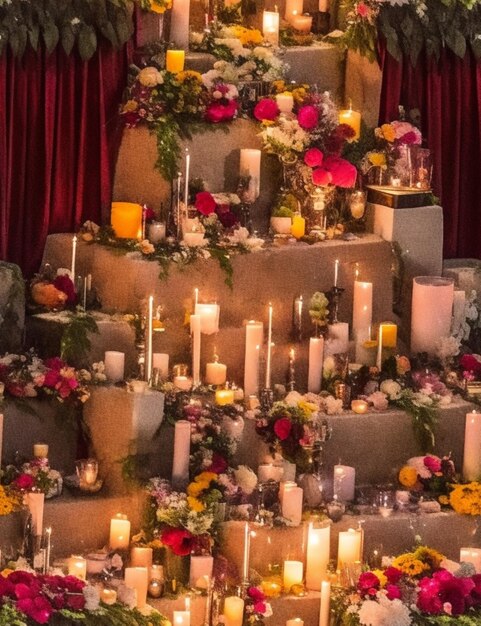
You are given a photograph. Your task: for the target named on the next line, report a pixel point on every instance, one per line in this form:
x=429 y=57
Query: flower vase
x=289 y=173
x=318 y=205
x=176 y=568
x=313 y=481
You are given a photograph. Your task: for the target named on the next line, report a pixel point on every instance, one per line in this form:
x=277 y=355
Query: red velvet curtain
x=448 y=94
x=59 y=132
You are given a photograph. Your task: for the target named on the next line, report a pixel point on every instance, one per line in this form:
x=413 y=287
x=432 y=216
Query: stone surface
x=363 y=86
x=12 y=307
x=466 y=274
x=122 y=424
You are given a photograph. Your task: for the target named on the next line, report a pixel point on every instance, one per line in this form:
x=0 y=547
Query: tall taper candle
x=74 y=254
x=472 y=447
x=325 y=609
x=180 y=465
x=269 y=349
x=195 y=330
x=187 y=174
x=148 y=368
x=247 y=548
x=254 y=340
x=336 y=272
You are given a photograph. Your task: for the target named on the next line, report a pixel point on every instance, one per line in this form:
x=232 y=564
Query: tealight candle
x=293 y=574
x=224 y=396
x=40 y=450
x=77 y=566
x=156 y=230
x=109 y=596
x=359 y=406
x=138 y=578
x=174 y=61
x=119 y=532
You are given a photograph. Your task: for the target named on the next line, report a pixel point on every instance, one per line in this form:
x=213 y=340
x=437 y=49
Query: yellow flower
x=6 y=572
x=388 y=132
x=409 y=565
x=206 y=477
x=444 y=500
x=299 y=94
x=408 y=476
x=382 y=578
x=308 y=407
x=160 y=6
x=129 y=106
x=189 y=75
x=247 y=36
x=377 y=159
x=279 y=86
x=195 y=489
x=195 y=505
x=466 y=499
x=429 y=556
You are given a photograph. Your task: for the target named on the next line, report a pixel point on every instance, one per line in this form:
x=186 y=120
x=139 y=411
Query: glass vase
x=318 y=204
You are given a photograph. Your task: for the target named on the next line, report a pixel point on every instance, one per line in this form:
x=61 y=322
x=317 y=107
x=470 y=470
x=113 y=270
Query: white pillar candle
x=297 y=621
x=74 y=255
x=289 y=471
x=180 y=466
x=160 y=361
x=184 y=383
x=293 y=574
x=344 y=482
x=150 y=336
x=254 y=340
x=318 y=554
x=141 y=557
x=156 y=232
x=472 y=447
x=316 y=354
x=215 y=373
x=349 y=547
x=114 y=366
x=138 y=578
x=179 y=24
x=35 y=502
x=431 y=311
x=40 y=450
x=269 y=471
x=195 y=329
x=339 y=333
x=209 y=317
x=269 y=349
x=200 y=568
x=285 y=102
x=325 y=608
x=301 y=23
x=324 y=6
x=285 y=485
x=293 y=7
x=270 y=27
x=119 y=532
x=292 y=505
x=361 y=307
x=250 y=160
x=473 y=556
x=181 y=618
x=233 y=611
x=459 y=315
x=77 y=566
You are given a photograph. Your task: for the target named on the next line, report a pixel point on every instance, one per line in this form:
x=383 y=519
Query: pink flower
x=282 y=428
x=393 y=574
x=393 y=592
x=343 y=173
x=266 y=109
x=406 y=132
x=25 y=481
x=216 y=112
x=38 y=609
x=313 y=157
x=433 y=463
x=260 y=607
x=321 y=177
x=256 y=594
x=204 y=202
x=308 y=117
x=363 y=10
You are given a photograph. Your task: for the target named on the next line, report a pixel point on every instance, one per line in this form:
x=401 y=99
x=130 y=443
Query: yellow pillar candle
x=352 y=119
x=389 y=335
x=233 y=611
x=141 y=557
x=174 y=61
x=298 y=226
x=126 y=219
x=224 y=396
x=119 y=532
x=349 y=547
x=77 y=566
x=40 y=450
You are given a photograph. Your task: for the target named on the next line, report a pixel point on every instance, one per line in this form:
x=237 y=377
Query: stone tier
x=276 y=275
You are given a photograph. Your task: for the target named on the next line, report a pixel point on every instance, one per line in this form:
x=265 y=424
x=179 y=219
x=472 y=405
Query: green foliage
x=282 y=211
x=424 y=420
x=75 y=343
x=73 y=23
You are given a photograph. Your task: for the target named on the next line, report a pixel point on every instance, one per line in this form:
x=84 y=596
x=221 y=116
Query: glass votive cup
x=87 y=472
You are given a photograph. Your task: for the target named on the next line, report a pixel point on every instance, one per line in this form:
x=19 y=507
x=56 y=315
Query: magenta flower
x=393 y=592
x=282 y=428
x=308 y=117
x=25 y=482
x=313 y=157
x=204 y=202
x=343 y=173
x=266 y=109
x=368 y=581
x=433 y=463
x=38 y=609
x=321 y=177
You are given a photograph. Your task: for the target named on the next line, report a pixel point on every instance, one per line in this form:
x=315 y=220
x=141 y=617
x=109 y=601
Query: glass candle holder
x=422 y=168
x=357 y=204
x=87 y=472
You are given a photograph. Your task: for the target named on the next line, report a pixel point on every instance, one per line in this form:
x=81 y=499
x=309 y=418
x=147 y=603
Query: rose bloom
x=204 y=202
x=282 y=428
x=321 y=177
x=313 y=157
x=266 y=109
x=149 y=77
x=308 y=117
x=363 y=10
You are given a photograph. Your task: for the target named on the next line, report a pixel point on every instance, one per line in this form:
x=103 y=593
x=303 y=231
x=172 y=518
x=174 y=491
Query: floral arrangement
x=256 y=607
x=292 y=426
x=155 y=6
x=466 y=499
x=28 y=599
x=28 y=376
x=10 y=500
x=430 y=473
x=217 y=208
x=173 y=104
x=36 y=475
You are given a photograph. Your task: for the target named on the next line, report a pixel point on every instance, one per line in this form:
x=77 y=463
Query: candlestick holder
x=334 y=297
x=266 y=399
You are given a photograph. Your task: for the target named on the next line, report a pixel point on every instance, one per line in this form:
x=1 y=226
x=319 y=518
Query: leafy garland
x=413 y=27
x=73 y=23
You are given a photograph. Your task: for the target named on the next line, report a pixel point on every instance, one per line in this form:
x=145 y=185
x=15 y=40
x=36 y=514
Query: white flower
x=418 y=463
x=150 y=77
x=146 y=247
x=421 y=398
x=92 y=598
x=379 y=400
x=293 y=398
x=447 y=347
x=391 y=388
x=126 y=595
x=246 y=479
x=196 y=38
x=332 y=405
x=329 y=366
x=74 y=21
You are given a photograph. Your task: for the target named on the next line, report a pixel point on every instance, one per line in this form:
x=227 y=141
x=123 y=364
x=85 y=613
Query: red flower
x=393 y=592
x=471 y=363
x=432 y=463
x=343 y=173
x=363 y=10
x=282 y=428
x=179 y=540
x=308 y=117
x=214 y=112
x=368 y=581
x=313 y=157
x=219 y=464
x=266 y=109
x=260 y=607
x=76 y=601
x=149 y=213
x=65 y=284
x=38 y=609
x=321 y=177
x=393 y=574
x=228 y=219
x=204 y=202
x=256 y=594
x=24 y=481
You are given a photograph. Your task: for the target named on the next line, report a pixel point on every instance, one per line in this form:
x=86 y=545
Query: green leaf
x=476 y=48
x=50 y=36
x=108 y=31
x=33 y=36
x=87 y=42
x=456 y=42
x=67 y=38
x=417 y=42
x=123 y=26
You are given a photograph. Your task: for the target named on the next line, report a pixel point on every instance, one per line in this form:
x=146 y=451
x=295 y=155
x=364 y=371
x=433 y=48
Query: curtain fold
x=59 y=136
x=448 y=95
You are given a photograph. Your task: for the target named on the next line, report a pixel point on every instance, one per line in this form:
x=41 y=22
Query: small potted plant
x=281 y=220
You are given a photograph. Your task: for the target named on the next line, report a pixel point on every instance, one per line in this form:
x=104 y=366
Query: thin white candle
x=48 y=538
x=254 y=339
x=379 y=348
x=472 y=447
x=247 y=548
x=74 y=254
x=325 y=609
x=148 y=368
x=195 y=321
x=269 y=349
x=196 y=297
x=187 y=174
x=336 y=272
